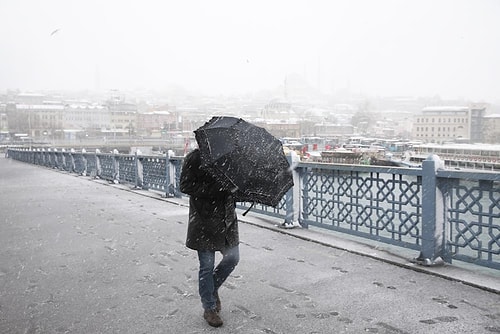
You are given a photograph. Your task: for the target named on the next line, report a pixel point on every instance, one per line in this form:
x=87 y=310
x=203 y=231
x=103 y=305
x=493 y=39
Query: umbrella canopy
x=245 y=159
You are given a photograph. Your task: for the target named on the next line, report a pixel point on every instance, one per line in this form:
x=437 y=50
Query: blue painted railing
x=442 y=214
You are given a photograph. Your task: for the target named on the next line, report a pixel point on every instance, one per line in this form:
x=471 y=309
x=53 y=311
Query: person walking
x=212 y=227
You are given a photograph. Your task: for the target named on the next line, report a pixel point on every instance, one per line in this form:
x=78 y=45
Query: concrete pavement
x=82 y=256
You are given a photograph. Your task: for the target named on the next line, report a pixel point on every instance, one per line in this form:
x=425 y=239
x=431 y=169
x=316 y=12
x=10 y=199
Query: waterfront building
x=123 y=118
x=36 y=120
x=156 y=123
x=491 y=129
x=449 y=124
x=476 y=123
x=85 y=120
x=4 y=126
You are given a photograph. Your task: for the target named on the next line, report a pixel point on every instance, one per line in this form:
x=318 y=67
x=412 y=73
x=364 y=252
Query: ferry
x=341 y=156
x=468 y=156
x=384 y=152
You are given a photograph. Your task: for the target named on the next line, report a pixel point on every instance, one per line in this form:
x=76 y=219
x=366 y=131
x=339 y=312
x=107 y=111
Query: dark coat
x=213 y=224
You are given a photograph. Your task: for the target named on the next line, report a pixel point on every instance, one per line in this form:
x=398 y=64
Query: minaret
x=319 y=74
x=285 y=89
x=97 y=78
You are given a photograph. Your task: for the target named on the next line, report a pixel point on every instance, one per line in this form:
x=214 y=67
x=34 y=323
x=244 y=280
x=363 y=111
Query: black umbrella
x=245 y=159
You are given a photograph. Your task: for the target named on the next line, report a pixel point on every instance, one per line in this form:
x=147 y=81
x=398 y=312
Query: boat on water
x=393 y=162
x=341 y=156
x=397 y=153
x=459 y=156
x=456 y=156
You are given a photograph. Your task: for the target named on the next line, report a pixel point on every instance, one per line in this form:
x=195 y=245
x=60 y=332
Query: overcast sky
x=449 y=48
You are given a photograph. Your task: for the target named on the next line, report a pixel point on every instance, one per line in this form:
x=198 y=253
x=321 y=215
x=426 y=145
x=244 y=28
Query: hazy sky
x=449 y=48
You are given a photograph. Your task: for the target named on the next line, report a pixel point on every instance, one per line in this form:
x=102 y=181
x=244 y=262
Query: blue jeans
x=210 y=279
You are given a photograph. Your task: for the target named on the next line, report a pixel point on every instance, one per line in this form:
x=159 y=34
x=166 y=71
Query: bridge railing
x=442 y=214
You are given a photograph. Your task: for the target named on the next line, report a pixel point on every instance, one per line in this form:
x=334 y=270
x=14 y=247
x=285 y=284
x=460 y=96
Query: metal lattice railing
x=127 y=169
x=473 y=216
x=441 y=213
x=92 y=165
x=154 y=172
x=80 y=164
x=107 y=170
x=370 y=202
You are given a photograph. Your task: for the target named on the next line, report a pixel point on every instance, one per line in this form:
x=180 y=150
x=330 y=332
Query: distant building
x=442 y=124
x=4 y=125
x=84 y=119
x=157 y=123
x=328 y=130
x=36 y=120
x=476 y=123
x=491 y=129
x=29 y=98
x=277 y=109
x=281 y=129
x=123 y=118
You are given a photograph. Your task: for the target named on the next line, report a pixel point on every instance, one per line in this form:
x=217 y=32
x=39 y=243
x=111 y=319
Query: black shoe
x=212 y=317
x=218 y=305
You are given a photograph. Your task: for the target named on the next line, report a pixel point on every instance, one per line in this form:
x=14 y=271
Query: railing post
x=50 y=159
x=177 y=178
x=63 y=159
x=116 y=167
x=138 y=172
x=84 y=163
x=303 y=216
x=31 y=156
x=292 y=197
x=73 y=163
x=97 y=163
x=433 y=214
x=169 y=191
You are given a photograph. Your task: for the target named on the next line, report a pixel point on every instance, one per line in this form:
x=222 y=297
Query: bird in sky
x=54 y=32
